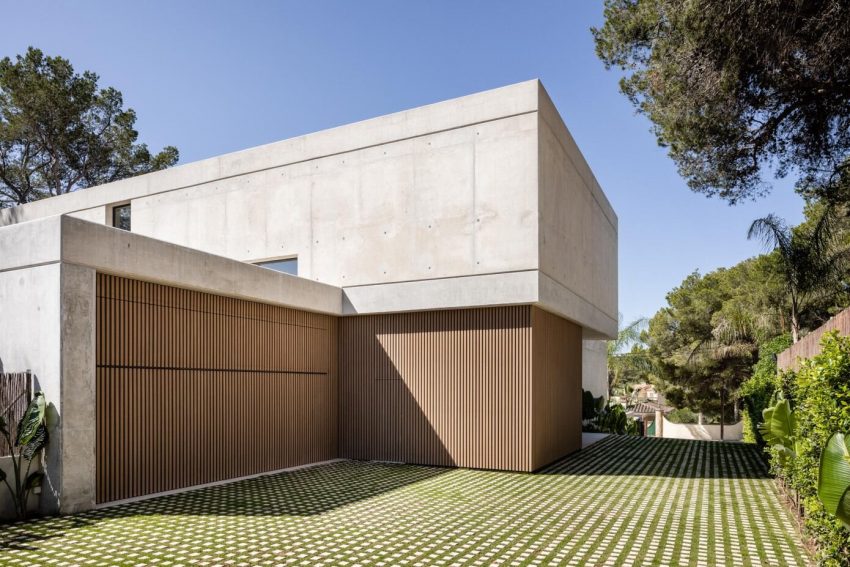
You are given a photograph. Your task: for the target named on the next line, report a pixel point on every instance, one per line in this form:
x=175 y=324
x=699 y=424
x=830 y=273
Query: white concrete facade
x=47 y=313
x=479 y=201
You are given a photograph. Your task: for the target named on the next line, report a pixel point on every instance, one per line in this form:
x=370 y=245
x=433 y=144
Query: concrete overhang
x=65 y=239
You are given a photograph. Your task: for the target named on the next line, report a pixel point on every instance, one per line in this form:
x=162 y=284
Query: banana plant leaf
x=33 y=417
x=834 y=478
x=33 y=480
x=779 y=426
x=36 y=443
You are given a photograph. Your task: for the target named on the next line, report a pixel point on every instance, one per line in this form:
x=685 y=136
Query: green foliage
x=613 y=419
x=814 y=259
x=60 y=132
x=834 y=478
x=703 y=344
x=714 y=327
x=590 y=406
x=31 y=438
x=758 y=390
x=820 y=391
x=683 y=415
x=628 y=359
x=779 y=429
x=734 y=89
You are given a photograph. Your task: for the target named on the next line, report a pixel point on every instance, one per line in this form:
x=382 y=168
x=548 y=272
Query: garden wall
x=696 y=431
x=810 y=345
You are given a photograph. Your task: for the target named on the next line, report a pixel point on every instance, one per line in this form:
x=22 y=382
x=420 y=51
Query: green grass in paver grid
x=622 y=501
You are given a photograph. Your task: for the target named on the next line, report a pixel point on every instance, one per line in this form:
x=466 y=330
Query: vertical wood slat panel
x=438 y=387
x=195 y=388
x=15 y=395
x=556 y=391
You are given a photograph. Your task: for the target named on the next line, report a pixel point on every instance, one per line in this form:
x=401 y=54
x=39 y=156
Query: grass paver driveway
x=621 y=501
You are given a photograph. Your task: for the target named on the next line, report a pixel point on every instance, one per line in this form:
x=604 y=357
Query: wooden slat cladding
x=195 y=388
x=15 y=395
x=442 y=387
x=556 y=390
x=809 y=346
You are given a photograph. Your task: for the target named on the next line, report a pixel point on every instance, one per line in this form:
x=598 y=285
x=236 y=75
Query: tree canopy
x=739 y=88
x=813 y=256
x=707 y=338
x=60 y=132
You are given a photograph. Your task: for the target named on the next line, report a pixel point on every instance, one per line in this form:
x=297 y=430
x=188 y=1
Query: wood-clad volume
x=195 y=388
x=556 y=387
x=460 y=387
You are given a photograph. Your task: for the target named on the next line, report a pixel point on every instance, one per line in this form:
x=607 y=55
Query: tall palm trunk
x=795 y=321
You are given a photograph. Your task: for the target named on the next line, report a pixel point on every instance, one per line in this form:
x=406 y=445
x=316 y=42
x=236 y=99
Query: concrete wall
x=7 y=507
x=578 y=228
x=31 y=339
x=426 y=207
x=734 y=432
x=594 y=367
x=47 y=313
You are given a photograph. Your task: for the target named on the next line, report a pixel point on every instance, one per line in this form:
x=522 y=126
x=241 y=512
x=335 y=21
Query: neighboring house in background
x=419 y=287
x=644 y=392
x=649 y=412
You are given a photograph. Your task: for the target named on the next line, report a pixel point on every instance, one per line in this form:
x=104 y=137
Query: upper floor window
x=121 y=216
x=287 y=266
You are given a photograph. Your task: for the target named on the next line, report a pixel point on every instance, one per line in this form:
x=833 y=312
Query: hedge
x=820 y=395
x=758 y=390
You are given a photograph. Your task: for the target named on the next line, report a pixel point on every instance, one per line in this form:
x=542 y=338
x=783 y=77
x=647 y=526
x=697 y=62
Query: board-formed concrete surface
x=621 y=501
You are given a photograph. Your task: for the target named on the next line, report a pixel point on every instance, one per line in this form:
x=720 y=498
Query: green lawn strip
x=681 y=461
x=782 y=527
x=690 y=512
x=704 y=540
x=798 y=549
x=749 y=512
x=637 y=481
x=742 y=470
x=792 y=534
x=711 y=504
x=765 y=508
x=333 y=515
x=534 y=533
x=589 y=492
x=656 y=493
x=607 y=486
x=768 y=509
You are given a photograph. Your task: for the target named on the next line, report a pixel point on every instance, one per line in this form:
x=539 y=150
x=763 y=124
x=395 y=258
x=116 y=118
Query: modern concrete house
x=433 y=286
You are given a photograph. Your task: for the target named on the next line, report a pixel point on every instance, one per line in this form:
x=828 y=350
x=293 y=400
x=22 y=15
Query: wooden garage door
x=195 y=388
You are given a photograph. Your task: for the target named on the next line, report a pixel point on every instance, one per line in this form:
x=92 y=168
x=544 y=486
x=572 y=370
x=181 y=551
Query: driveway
x=620 y=501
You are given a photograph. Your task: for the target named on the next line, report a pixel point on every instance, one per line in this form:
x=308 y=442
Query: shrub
x=683 y=415
x=759 y=388
x=820 y=392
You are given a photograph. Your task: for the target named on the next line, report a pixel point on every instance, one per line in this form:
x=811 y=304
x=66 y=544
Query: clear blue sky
x=212 y=77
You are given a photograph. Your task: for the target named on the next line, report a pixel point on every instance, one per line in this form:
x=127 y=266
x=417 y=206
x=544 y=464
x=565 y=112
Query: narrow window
x=287 y=266
x=121 y=216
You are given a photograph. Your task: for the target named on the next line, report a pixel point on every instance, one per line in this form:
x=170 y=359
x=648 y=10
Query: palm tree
x=729 y=354
x=813 y=260
x=620 y=360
